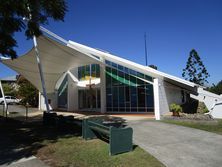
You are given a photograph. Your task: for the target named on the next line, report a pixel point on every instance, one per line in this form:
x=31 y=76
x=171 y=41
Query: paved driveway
x=177 y=146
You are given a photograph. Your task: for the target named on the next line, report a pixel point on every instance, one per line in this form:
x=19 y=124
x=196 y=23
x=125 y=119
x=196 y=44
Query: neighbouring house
x=10 y=80
x=81 y=78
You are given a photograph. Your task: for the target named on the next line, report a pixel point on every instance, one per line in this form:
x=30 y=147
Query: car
x=10 y=100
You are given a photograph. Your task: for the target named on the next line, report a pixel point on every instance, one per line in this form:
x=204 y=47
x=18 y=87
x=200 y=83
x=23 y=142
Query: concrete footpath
x=177 y=146
x=31 y=161
x=11 y=156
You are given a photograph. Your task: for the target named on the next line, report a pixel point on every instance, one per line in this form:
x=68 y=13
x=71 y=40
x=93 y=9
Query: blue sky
x=173 y=28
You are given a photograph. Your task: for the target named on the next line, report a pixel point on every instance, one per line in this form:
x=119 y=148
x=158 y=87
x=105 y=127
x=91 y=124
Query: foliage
x=205 y=110
x=195 y=70
x=175 y=108
x=27 y=92
x=216 y=88
x=9 y=90
x=36 y=12
x=153 y=66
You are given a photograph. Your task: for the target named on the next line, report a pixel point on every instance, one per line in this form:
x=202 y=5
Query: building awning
x=56 y=59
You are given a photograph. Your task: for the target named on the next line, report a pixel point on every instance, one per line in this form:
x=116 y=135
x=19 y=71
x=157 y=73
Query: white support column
x=73 y=101
x=102 y=87
x=39 y=64
x=156 y=98
x=40 y=101
x=41 y=73
x=3 y=95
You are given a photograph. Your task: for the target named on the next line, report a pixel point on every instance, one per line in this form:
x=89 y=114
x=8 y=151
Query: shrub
x=175 y=108
x=205 y=110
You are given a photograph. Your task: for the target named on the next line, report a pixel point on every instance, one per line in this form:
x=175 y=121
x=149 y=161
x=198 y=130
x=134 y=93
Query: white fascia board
x=135 y=66
x=73 y=46
x=72 y=76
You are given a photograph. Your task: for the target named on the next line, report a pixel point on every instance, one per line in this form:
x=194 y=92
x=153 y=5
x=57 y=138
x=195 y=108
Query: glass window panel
x=108 y=62
x=109 y=109
x=148 y=78
x=133 y=80
x=109 y=97
x=115 y=93
x=93 y=74
x=114 y=65
x=121 y=109
x=87 y=68
x=149 y=96
x=133 y=109
x=133 y=96
x=121 y=97
x=127 y=93
x=140 y=75
x=126 y=70
x=97 y=71
x=127 y=108
x=140 y=82
x=83 y=73
x=115 y=109
x=93 y=67
x=142 y=109
x=108 y=77
x=114 y=78
x=149 y=101
x=121 y=68
x=121 y=78
x=127 y=79
x=133 y=72
x=141 y=96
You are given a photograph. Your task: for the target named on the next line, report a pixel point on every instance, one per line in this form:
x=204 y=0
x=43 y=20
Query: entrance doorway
x=89 y=99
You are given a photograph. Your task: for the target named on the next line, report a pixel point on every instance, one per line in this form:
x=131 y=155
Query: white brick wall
x=164 y=95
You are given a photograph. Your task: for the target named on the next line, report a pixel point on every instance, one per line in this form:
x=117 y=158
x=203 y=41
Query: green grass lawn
x=63 y=147
x=75 y=151
x=215 y=127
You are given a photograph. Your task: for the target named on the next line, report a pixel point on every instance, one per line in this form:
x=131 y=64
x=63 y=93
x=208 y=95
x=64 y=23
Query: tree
x=9 y=90
x=153 y=66
x=195 y=70
x=27 y=92
x=12 y=14
x=216 y=88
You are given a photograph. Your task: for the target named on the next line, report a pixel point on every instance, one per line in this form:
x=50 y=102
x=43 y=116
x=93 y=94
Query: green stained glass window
x=126 y=90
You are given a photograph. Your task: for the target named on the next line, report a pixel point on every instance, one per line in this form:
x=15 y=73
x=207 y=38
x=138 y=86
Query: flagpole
x=145 y=48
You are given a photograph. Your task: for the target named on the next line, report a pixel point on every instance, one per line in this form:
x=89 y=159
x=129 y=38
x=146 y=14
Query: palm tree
x=15 y=17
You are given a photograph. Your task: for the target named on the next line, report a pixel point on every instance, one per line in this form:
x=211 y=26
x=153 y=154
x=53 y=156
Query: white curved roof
x=56 y=59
